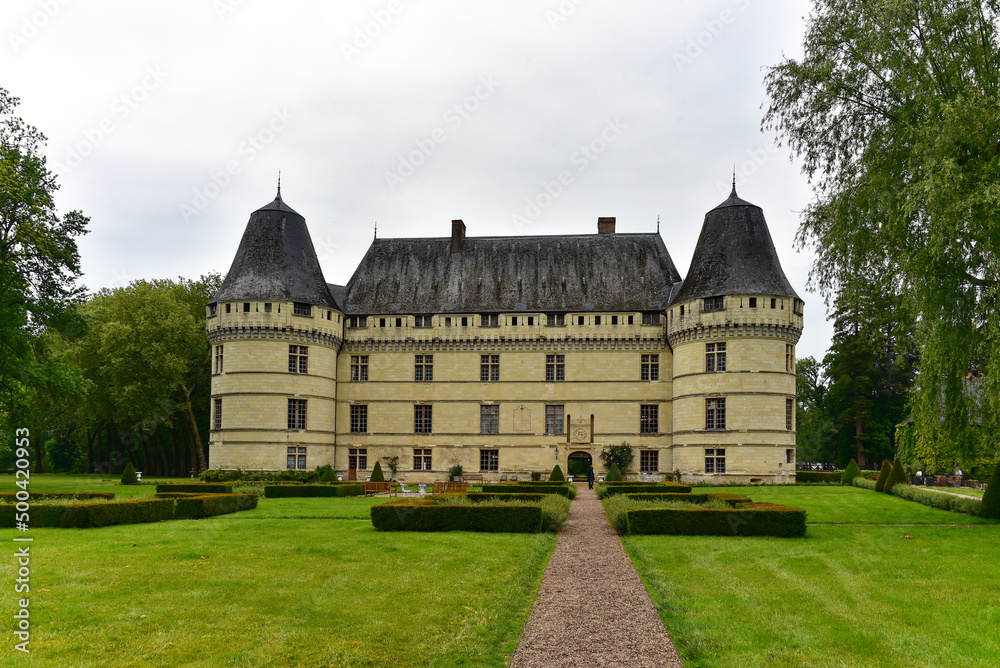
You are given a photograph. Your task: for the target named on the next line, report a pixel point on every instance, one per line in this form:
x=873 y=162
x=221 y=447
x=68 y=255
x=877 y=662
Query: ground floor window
x=422 y=459
x=489 y=460
x=296 y=458
x=790 y=455
x=715 y=460
x=357 y=459
x=649 y=461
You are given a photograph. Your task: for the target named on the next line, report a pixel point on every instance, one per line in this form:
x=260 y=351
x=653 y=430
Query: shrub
x=850 y=473
x=883 y=475
x=288 y=491
x=941 y=500
x=86 y=515
x=11 y=497
x=128 y=475
x=430 y=515
x=565 y=489
x=377 y=473
x=196 y=487
x=555 y=508
x=897 y=476
x=754 y=519
x=614 y=474
x=557 y=475
x=990 y=506
x=455 y=472
x=196 y=507
x=864 y=483
x=826 y=477
x=616 y=507
x=605 y=490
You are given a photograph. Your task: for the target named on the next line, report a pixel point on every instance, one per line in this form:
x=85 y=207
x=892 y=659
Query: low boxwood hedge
x=864 y=483
x=831 y=477
x=733 y=500
x=288 y=491
x=41 y=496
x=752 y=519
x=500 y=496
x=609 y=489
x=86 y=515
x=567 y=489
x=428 y=515
x=197 y=487
x=942 y=500
x=196 y=507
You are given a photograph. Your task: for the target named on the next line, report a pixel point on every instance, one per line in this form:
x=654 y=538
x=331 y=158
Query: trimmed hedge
x=288 y=491
x=605 y=490
x=614 y=474
x=128 y=475
x=864 y=483
x=567 y=489
x=498 y=496
x=196 y=487
x=753 y=519
x=196 y=507
x=819 y=476
x=557 y=475
x=850 y=473
x=941 y=500
x=897 y=476
x=883 y=475
x=86 y=515
x=428 y=515
x=39 y=496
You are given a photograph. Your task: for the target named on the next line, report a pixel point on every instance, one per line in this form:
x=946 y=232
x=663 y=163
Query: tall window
x=357 y=459
x=715 y=460
x=423 y=368
x=298 y=308
x=554 y=420
x=715 y=413
x=555 y=367
x=789 y=358
x=298 y=359
x=296 y=413
x=650 y=368
x=649 y=461
x=649 y=419
x=422 y=459
x=359 y=419
x=715 y=357
x=213 y=310
x=753 y=302
x=713 y=304
x=422 y=419
x=555 y=319
x=296 y=458
x=489 y=368
x=489 y=320
x=217 y=418
x=489 y=460
x=789 y=455
x=489 y=419
x=359 y=368
x=218 y=359
x=422 y=320
x=789 y=412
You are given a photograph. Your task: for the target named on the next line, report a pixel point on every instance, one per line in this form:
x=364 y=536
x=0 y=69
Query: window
x=649 y=461
x=246 y=307
x=555 y=367
x=381 y=322
x=422 y=419
x=554 y=420
x=715 y=413
x=357 y=459
x=267 y=307
x=228 y=307
x=217 y=418
x=356 y=321
x=296 y=458
x=789 y=455
x=359 y=368
x=513 y=321
x=555 y=320
x=422 y=459
x=773 y=302
x=489 y=368
x=296 y=413
x=422 y=321
x=213 y=310
x=631 y=319
x=753 y=302
x=649 y=419
x=423 y=368
x=489 y=419
x=713 y=304
x=715 y=357
x=359 y=419
x=218 y=359
x=597 y=320
x=489 y=460
x=614 y=320
x=465 y=322
x=789 y=412
x=298 y=359
x=649 y=369
x=399 y=322
x=789 y=358
x=682 y=310
x=651 y=318
x=715 y=460
x=489 y=320
x=531 y=321
x=581 y=320
x=447 y=322
x=298 y=308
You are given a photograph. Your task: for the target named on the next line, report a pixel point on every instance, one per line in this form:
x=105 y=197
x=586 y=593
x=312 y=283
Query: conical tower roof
x=276 y=260
x=734 y=255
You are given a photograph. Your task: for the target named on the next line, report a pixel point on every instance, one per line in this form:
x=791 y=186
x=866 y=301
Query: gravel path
x=592 y=609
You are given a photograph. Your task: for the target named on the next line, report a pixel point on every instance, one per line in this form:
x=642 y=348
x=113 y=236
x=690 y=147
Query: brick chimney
x=606 y=225
x=457 y=235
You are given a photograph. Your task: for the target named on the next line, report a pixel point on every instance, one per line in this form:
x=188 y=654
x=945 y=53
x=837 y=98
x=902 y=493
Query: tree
x=893 y=110
x=392 y=463
x=814 y=428
x=990 y=505
x=617 y=455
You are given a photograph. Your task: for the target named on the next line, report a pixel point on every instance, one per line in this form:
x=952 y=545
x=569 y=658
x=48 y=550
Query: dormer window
x=299 y=308
x=246 y=307
x=714 y=304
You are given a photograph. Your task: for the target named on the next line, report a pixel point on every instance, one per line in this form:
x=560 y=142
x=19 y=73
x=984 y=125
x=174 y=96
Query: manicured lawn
x=59 y=482
x=881 y=594
x=303 y=582
x=967 y=491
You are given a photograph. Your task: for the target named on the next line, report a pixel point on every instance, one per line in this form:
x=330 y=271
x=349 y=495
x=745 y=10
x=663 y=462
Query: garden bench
x=379 y=488
x=442 y=487
x=473 y=477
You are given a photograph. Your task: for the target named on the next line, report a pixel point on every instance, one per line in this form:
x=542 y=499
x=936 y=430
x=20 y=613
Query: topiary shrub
x=850 y=473
x=128 y=475
x=897 y=476
x=883 y=475
x=557 y=475
x=377 y=473
x=990 y=505
x=614 y=475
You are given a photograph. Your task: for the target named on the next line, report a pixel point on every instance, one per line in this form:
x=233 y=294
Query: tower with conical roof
x=275 y=332
x=733 y=326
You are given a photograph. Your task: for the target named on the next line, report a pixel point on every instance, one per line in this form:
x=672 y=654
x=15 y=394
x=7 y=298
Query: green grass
x=59 y=482
x=967 y=491
x=303 y=582
x=896 y=591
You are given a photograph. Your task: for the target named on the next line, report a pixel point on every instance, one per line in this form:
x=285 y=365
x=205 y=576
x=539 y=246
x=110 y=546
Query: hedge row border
x=750 y=519
x=428 y=515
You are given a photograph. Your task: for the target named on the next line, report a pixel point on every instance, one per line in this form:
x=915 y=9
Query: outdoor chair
x=503 y=478
x=403 y=490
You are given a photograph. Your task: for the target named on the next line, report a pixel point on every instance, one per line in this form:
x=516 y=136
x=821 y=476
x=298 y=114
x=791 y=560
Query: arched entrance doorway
x=577 y=464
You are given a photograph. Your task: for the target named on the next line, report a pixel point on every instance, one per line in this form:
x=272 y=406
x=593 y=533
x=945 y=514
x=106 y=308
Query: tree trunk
x=89 y=468
x=861 y=444
x=38 y=455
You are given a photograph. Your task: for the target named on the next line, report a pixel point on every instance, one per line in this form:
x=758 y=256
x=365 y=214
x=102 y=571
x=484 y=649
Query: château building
x=508 y=355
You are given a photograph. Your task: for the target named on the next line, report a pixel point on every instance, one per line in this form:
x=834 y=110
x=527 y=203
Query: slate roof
x=734 y=255
x=596 y=272
x=276 y=260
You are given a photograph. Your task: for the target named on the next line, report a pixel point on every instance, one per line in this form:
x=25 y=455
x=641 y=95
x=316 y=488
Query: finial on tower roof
x=278 y=197
x=657 y=223
x=376 y=229
x=733 y=193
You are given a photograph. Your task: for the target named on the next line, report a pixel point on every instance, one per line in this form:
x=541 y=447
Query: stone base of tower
x=260 y=456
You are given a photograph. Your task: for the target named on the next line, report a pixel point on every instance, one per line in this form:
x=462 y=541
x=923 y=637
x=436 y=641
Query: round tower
x=275 y=331
x=733 y=326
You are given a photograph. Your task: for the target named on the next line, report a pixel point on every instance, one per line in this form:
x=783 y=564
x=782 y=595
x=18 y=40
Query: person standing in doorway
x=590 y=476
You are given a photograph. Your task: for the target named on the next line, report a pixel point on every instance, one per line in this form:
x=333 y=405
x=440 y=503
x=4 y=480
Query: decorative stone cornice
x=734 y=330
x=506 y=344
x=220 y=334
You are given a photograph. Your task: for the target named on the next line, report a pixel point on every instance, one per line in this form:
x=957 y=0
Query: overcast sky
x=168 y=122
